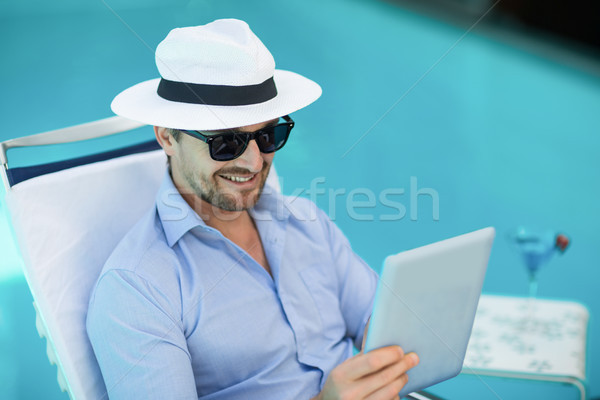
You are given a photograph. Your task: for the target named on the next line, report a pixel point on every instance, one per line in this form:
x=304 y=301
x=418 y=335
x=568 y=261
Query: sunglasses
x=232 y=144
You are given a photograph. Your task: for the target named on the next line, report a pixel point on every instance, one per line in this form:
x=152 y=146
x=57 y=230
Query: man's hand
x=378 y=375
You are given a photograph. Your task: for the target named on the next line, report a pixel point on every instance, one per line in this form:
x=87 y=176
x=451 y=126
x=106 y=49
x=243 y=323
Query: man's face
x=230 y=185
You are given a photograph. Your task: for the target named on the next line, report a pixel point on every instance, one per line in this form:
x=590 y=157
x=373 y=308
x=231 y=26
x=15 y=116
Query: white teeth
x=237 y=178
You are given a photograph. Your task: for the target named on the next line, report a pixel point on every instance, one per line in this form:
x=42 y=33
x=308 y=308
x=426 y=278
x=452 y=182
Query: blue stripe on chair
x=20 y=174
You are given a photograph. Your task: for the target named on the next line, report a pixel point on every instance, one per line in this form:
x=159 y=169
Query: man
x=227 y=289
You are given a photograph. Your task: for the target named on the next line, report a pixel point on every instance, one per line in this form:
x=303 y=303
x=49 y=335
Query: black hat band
x=217 y=95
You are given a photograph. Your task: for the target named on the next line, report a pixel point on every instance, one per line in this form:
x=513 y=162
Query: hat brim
x=141 y=103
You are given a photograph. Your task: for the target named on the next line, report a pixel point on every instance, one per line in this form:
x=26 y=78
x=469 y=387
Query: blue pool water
x=498 y=135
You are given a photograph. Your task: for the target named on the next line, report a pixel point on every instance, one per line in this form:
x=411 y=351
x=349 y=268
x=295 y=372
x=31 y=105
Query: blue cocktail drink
x=537 y=249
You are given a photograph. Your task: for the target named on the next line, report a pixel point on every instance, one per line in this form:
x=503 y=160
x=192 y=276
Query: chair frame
x=91 y=130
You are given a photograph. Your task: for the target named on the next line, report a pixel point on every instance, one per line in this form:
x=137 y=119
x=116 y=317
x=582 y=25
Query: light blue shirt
x=181 y=312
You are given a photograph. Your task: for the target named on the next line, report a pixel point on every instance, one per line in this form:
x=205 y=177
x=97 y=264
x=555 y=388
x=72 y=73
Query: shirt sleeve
x=357 y=283
x=140 y=347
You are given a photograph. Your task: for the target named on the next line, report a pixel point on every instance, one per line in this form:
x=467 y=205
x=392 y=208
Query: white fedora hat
x=215 y=76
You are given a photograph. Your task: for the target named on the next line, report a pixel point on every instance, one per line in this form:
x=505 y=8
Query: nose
x=251 y=158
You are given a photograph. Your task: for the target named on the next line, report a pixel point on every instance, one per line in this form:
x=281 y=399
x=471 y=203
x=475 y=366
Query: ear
x=165 y=139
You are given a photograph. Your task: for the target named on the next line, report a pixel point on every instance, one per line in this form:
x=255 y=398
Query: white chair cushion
x=67 y=224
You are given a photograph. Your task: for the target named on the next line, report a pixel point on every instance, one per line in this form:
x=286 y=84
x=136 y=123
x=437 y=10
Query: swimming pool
x=502 y=136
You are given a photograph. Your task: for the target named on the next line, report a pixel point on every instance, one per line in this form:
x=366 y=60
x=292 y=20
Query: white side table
x=536 y=339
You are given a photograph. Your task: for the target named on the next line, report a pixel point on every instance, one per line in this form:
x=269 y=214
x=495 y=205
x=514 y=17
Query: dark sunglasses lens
x=272 y=139
x=228 y=147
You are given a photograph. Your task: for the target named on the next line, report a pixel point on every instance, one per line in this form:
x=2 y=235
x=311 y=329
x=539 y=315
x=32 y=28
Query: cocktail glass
x=537 y=248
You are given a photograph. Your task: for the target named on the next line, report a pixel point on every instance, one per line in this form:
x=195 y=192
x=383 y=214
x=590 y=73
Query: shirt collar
x=270 y=206
x=177 y=217
x=175 y=214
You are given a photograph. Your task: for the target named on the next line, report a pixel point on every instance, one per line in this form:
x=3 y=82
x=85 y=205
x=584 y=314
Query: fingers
x=379 y=374
x=376 y=360
x=391 y=390
x=386 y=384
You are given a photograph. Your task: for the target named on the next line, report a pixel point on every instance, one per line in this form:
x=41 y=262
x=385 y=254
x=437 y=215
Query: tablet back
x=426 y=302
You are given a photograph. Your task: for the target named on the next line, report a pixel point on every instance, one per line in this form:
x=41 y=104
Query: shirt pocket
x=321 y=283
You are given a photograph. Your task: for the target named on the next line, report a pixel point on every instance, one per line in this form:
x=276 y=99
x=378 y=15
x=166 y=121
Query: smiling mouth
x=238 y=179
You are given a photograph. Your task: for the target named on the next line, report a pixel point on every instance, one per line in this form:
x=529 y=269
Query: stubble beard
x=207 y=188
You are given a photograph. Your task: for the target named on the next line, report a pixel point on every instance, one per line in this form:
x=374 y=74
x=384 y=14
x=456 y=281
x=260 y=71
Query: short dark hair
x=176 y=133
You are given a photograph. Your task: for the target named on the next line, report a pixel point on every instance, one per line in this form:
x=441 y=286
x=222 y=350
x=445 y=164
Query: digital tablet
x=426 y=301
